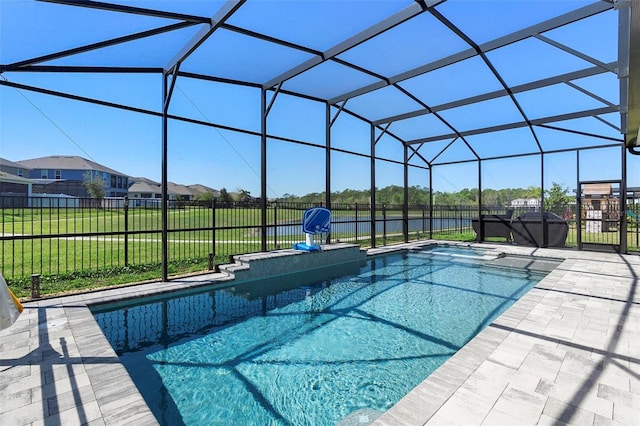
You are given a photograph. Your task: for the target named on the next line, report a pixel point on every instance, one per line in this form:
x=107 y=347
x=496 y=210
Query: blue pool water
x=308 y=354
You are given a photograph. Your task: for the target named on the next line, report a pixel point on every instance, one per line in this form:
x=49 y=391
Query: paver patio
x=567 y=352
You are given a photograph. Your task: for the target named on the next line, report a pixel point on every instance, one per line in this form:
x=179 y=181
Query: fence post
x=126 y=231
x=275 y=225
x=431 y=220
x=213 y=225
x=384 y=224
x=35 y=286
x=356 y=223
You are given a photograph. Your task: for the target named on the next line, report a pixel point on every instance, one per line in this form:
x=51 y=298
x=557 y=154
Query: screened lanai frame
x=298 y=80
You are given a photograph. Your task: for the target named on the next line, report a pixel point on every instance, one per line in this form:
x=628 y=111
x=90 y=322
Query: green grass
x=78 y=221
x=90 y=280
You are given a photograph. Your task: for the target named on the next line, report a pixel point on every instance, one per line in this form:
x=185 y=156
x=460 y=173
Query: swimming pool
x=313 y=354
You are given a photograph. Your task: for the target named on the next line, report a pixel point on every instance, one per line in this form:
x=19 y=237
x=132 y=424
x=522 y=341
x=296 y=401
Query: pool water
x=312 y=354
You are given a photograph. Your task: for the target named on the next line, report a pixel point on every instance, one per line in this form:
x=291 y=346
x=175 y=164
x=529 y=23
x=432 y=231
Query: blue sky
x=34 y=125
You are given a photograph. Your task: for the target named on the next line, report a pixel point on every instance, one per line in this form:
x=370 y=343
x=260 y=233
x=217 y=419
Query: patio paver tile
x=524 y=407
x=619 y=397
x=499 y=417
x=603 y=421
x=567 y=413
x=626 y=415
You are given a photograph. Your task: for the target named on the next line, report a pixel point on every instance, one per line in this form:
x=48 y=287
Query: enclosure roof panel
x=383 y=102
x=318 y=25
x=141 y=52
x=565 y=100
x=483 y=114
x=28 y=31
x=500 y=18
x=456 y=81
x=504 y=143
x=191 y=7
x=419 y=126
x=228 y=54
x=329 y=79
x=425 y=40
x=432 y=71
x=531 y=60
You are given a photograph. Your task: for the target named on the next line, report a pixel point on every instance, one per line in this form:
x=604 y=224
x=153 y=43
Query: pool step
x=488 y=256
x=280 y=262
x=525 y=262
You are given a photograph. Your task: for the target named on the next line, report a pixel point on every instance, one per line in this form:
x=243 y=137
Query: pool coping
x=56 y=365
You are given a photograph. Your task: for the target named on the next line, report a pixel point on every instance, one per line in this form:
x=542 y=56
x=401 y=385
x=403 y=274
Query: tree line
x=419 y=195
x=557 y=198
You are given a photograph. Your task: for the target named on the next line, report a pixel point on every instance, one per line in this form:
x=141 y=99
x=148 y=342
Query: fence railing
x=60 y=236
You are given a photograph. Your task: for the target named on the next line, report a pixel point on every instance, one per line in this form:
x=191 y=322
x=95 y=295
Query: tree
x=205 y=196
x=94 y=185
x=224 y=196
x=534 y=191
x=557 y=199
x=244 y=194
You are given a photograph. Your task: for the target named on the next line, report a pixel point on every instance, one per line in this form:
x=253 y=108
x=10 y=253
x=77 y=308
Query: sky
x=34 y=125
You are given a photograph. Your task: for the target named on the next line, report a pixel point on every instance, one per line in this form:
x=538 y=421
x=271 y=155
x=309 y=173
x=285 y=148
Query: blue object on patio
x=316 y=220
x=632 y=215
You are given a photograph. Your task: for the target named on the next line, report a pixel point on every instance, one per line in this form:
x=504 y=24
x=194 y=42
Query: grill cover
x=527 y=229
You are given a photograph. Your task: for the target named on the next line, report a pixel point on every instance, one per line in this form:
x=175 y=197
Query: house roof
x=7 y=163
x=136 y=179
x=143 y=185
x=67 y=162
x=8 y=177
x=148 y=186
x=144 y=188
x=178 y=189
x=198 y=189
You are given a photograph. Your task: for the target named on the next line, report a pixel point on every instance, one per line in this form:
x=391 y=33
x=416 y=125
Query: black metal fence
x=58 y=236
x=61 y=236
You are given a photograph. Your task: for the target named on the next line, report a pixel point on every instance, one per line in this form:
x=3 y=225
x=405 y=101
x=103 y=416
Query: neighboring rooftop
x=8 y=177
x=67 y=162
x=147 y=186
x=197 y=189
x=7 y=163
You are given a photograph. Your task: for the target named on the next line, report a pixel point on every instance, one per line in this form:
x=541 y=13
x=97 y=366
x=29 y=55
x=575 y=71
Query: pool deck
x=567 y=352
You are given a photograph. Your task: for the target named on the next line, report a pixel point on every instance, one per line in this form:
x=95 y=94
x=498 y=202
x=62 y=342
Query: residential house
x=528 y=203
x=66 y=174
x=198 y=189
x=14 y=190
x=179 y=192
x=141 y=188
x=13 y=168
